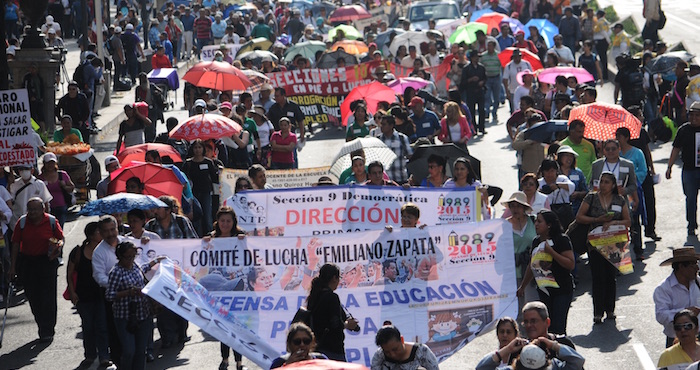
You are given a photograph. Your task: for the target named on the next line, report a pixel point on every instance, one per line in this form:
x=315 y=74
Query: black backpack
x=79 y=74
x=634 y=86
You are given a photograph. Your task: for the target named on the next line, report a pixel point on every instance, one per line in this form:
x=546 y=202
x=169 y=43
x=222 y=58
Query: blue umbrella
x=547 y=30
x=301 y=5
x=545 y=132
x=120 y=203
x=477 y=14
x=383 y=37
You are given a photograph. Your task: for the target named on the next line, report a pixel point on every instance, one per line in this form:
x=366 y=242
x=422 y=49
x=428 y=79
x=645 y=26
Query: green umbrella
x=467 y=33
x=307 y=49
x=351 y=33
x=260 y=43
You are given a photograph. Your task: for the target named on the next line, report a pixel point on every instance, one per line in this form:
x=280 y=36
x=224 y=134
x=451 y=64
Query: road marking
x=643 y=356
x=681 y=20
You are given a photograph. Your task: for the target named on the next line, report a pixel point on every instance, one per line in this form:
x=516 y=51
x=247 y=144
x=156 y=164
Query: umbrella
x=545 y=132
x=300 y=4
x=258 y=43
x=351 y=33
x=371 y=93
x=157 y=180
x=120 y=203
x=546 y=28
x=316 y=8
x=307 y=49
x=233 y=2
x=256 y=78
x=325 y=365
x=349 y=13
x=330 y=60
x=375 y=150
x=399 y=85
x=492 y=20
x=351 y=47
x=217 y=75
x=384 y=37
x=257 y=56
x=665 y=63
x=410 y=38
x=418 y=165
x=480 y=13
x=550 y=74
x=138 y=153
x=245 y=7
x=602 y=119
x=467 y=33
x=505 y=56
x=205 y=126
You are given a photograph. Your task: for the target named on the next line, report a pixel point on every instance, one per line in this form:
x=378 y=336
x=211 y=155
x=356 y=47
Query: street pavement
x=634 y=340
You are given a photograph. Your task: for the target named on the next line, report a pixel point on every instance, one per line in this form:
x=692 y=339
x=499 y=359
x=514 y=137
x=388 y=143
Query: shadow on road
x=23 y=356
x=606 y=337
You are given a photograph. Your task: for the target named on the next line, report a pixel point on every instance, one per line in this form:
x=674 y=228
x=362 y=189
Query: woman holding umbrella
x=131 y=130
x=204 y=174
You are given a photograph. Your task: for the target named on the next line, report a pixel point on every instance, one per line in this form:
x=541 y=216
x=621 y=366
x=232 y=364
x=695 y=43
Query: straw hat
x=519 y=197
x=685 y=254
x=566 y=149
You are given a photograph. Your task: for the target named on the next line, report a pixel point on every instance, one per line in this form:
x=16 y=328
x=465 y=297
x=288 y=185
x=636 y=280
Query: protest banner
x=15 y=135
x=441 y=285
x=348 y=208
x=207 y=53
x=279 y=179
x=613 y=245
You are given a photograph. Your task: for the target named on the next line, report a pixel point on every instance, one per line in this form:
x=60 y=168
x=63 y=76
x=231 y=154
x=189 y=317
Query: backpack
x=79 y=74
x=634 y=86
x=108 y=45
x=23 y=221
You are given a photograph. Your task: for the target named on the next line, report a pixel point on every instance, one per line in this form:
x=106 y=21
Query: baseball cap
x=516 y=52
x=200 y=103
x=520 y=32
x=225 y=105
x=129 y=27
x=51 y=31
x=48 y=157
x=110 y=159
x=532 y=357
x=267 y=58
x=49 y=19
x=416 y=100
x=695 y=107
x=117 y=29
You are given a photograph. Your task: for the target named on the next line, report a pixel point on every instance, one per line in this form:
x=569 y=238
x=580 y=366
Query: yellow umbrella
x=351 y=33
x=260 y=43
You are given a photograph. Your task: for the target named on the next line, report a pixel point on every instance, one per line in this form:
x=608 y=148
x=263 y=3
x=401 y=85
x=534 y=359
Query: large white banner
x=279 y=179
x=348 y=208
x=207 y=53
x=16 y=144
x=440 y=285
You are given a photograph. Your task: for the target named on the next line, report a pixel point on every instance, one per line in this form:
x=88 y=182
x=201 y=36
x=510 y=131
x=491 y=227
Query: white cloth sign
x=208 y=51
x=278 y=179
x=16 y=146
x=442 y=285
x=348 y=208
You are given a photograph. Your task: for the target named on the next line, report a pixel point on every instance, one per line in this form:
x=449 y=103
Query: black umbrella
x=666 y=63
x=384 y=38
x=418 y=165
x=330 y=60
x=545 y=132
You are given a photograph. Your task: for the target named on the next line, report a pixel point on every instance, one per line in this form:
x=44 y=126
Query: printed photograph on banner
x=448 y=329
x=541 y=264
x=613 y=244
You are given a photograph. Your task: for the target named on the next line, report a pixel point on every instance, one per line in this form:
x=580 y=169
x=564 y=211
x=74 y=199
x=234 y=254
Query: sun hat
x=566 y=149
x=521 y=198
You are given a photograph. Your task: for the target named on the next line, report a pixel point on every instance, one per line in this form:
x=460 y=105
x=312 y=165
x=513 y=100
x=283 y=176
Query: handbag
x=662 y=18
x=578 y=234
x=564 y=211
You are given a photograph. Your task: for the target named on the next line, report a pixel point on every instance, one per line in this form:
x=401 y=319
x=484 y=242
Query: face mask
x=219 y=59
x=26 y=174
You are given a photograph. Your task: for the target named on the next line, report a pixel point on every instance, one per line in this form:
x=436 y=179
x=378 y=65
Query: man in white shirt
x=50 y=24
x=681 y=290
x=407 y=61
x=230 y=37
x=562 y=52
x=510 y=74
x=433 y=56
x=25 y=188
x=524 y=89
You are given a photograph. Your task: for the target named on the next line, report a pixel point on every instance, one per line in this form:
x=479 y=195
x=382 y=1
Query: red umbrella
x=349 y=13
x=157 y=180
x=602 y=119
x=137 y=153
x=492 y=20
x=218 y=76
x=205 y=126
x=372 y=93
x=325 y=365
x=505 y=57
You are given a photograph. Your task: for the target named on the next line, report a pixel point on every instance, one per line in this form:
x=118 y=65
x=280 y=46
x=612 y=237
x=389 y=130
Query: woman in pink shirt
x=283 y=143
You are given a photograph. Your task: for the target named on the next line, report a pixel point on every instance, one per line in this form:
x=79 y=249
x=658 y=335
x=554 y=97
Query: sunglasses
x=686 y=326
x=299 y=341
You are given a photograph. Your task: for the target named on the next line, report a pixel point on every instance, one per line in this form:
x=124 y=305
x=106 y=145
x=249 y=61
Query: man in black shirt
x=289 y=109
x=473 y=81
x=74 y=104
x=687 y=143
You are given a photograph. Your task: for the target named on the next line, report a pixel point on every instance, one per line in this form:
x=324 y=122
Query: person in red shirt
x=36 y=245
x=160 y=60
x=520 y=42
x=283 y=143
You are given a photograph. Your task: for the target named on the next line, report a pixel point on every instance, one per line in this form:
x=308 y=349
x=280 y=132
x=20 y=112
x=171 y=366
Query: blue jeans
x=94 y=324
x=60 y=213
x=133 y=344
x=493 y=95
x=200 y=44
x=691 y=184
x=558 y=306
x=206 y=203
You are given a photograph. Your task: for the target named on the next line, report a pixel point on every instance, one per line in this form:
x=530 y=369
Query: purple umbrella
x=400 y=85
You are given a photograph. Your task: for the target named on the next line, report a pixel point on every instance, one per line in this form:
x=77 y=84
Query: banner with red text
x=348 y=208
x=16 y=144
x=442 y=285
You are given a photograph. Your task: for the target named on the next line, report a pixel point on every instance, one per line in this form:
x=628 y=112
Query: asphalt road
x=634 y=340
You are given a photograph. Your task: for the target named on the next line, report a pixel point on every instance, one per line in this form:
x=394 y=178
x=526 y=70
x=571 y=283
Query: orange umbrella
x=137 y=153
x=205 y=126
x=157 y=180
x=217 y=75
x=603 y=119
x=351 y=47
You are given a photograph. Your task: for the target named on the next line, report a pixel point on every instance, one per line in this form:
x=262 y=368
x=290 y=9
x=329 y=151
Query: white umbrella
x=375 y=150
x=410 y=38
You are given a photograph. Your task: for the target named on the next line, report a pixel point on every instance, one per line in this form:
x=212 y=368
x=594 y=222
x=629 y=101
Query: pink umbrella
x=550 y=74
x=400 y=85
x=349 y=13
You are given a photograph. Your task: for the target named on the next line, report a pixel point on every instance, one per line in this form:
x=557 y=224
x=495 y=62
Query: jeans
x=206 y=203
x=39 y=279
x=172 y=327
x=60 y=213
x=691 y=184
x=225 y=351
x=133 y=344
x=558 y=307
x=601 y=48
x=132 y=66
x=493 y=95
x=202 y=43
x=115 y=346
x=604 y=284
x=94 y=324
x=282 y=166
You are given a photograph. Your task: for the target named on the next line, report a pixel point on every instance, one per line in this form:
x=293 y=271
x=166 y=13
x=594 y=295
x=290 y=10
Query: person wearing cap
x=53 y=41
x=426 y=121
x=510 y=75
x=50 y=24
x=541 y=353
x=523 y=234
x=566 y=158
x=154 y=34
x=620 y=42
x=522 y=43
x=570 y=29
x=218 y=28
x=685 y=145
x=111 y=165
x=132 y=49
x=24 y=188
x=59 y=184
x=473 y=87
x=264 y=129
x=118 y=56
x=264 y=100
x=66 y=130
x=680 y=290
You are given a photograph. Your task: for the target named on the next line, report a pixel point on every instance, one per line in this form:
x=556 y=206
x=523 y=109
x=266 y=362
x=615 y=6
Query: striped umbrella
x=257 y=80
